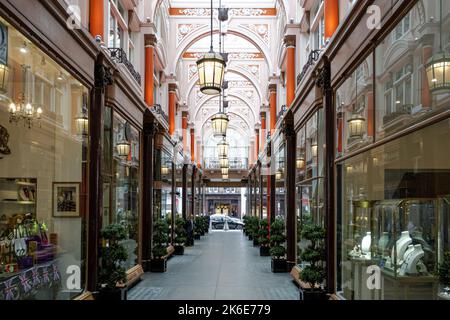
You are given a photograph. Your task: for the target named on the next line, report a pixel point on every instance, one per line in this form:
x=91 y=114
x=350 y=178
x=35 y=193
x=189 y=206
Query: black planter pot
x=179 y=250
x=279 y=265
x=250 y=237
x=316 y=295
x=264 y=251
x=158 y=265
x=197 y=237
x=202 y=233
x=117 y=294
x=255 y=242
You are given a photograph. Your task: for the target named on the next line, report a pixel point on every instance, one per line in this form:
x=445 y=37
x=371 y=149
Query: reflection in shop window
x=44 y=177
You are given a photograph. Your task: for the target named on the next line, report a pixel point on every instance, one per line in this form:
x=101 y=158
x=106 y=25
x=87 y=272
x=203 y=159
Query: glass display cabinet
x=405 y=247
x=359 y=230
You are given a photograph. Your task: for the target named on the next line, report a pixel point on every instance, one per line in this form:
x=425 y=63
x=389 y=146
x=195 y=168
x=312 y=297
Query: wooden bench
x=134 y=275
x=85 y=296
x=170 y=251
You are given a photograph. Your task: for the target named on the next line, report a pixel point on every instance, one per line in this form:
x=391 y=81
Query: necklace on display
x=401 y=246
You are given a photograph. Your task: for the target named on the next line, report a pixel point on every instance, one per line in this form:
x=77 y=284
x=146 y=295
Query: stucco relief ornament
x=192 y=71
x=4 y=138
x=184 y=30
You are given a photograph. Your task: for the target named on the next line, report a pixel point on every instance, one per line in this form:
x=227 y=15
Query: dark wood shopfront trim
x=184 y=187
x=351 y=43
x=103 y=78
x=149 y=132
x=290 y=174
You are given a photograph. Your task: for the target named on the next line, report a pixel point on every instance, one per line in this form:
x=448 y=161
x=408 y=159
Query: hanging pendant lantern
x=223 y=147
x=211 y=68
x=225 y=171
x=164 y=170
x=300 y=162
x=82 y=123
x=438 y=72
x=224 y=163
x=225 y=177
x=438 y=67
x=279 y=174
x=123 y=148
x=220 y=124
x=356 y=126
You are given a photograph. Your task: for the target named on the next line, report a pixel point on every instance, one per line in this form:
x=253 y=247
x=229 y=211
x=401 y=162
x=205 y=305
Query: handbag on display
x=20 y=245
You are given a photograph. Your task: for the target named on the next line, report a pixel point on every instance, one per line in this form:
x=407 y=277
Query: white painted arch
x=237 y=31
x=236 y=70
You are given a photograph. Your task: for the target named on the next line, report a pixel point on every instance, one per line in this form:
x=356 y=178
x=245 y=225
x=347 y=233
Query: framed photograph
x=66 y=199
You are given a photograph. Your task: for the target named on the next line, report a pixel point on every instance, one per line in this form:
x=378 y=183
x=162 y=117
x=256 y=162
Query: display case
x=405 y=236
x=359 y=230
x=405 y=247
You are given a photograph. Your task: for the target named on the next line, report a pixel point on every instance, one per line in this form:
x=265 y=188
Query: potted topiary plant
x=255 y=231
x=180 y=236
x=112 y=274
x=197 y=228
x=277 y=250
x=159 y=251
x=246 y=225
x=264 y=249
x=314 y=256
x=444 y=275
x=205 y=221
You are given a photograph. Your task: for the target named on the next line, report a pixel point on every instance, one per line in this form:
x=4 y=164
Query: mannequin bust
x=408 y=252
x=365 y=243
x=413 y=259
x=383 y=242
x=401 y=246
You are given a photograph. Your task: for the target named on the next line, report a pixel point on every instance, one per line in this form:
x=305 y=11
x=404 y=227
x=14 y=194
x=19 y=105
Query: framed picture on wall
x=66 y=199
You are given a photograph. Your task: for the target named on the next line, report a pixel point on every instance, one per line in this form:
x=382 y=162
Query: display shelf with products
x=405 y=236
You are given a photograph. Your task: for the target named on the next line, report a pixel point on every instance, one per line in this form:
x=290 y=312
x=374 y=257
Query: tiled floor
x=221 y=266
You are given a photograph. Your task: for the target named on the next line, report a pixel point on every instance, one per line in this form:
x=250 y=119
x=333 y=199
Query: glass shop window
x=394 y=213
x=126 y=184
x=44 y=147
x=354 y=109
x=413 y=82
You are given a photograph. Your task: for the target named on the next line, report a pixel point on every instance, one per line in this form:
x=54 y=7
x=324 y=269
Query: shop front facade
x=45 y=110
x=371 y=124
x=80 y=150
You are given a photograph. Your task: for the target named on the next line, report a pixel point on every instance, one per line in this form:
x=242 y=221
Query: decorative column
x=173 y=205
x=256 y=144
x=172 y=108
x=324 y=82
x=261 y=193
x=331 y=17
x=97 y=18
x=289 y=42
x=273 y=107
x=103 y=78
x=150 y=42
x=291 y=219
x=193 y=145
x=184 y=188
x=263 y=129
x=255 y=198
x=252 y=153
x=184 y=128
x=249 y=198
x=149 y=132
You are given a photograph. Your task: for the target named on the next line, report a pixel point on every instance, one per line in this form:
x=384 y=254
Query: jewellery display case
x=405 y=247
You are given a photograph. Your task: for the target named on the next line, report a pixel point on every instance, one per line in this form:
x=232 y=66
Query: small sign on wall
x=3 y=44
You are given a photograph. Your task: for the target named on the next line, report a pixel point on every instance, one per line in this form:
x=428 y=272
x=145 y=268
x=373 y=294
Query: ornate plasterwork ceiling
x=228 y=3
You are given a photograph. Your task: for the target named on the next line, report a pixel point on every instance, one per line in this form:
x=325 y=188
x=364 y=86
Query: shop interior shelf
x=23 y=183
x=18 y=202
